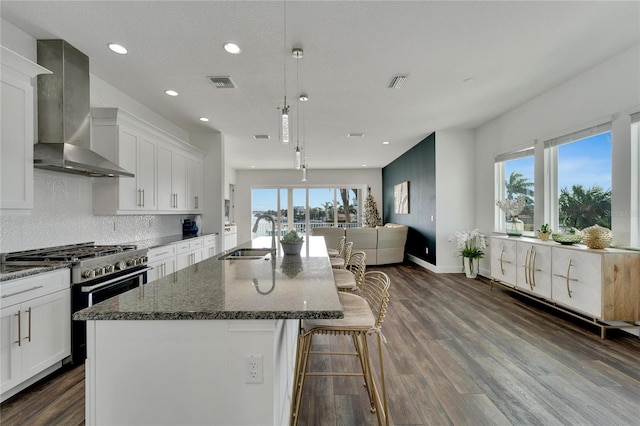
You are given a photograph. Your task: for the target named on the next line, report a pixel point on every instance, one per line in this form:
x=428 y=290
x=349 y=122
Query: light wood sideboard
x=599 y=286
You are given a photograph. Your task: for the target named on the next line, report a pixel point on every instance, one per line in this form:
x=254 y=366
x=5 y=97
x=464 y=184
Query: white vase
x=470 y=267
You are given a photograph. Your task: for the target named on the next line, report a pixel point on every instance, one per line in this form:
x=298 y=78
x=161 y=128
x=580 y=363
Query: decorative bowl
x=566 y=238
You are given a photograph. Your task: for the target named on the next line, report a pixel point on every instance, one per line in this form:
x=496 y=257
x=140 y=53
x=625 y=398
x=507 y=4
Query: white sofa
x=383 y=244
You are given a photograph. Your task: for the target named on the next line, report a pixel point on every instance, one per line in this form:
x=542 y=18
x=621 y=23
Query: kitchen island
x=210 y=344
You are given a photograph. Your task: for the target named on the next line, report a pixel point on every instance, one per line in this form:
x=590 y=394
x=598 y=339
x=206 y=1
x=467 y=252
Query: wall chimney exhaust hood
x=63 y=115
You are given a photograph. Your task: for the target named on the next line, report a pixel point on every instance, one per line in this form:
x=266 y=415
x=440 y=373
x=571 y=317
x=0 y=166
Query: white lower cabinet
x=189 y=252
x=35 y=328
x=534 y=268
x=210 y=246
x=503 y=261
x=600 y=284
x=162 y=260
x=577 y=280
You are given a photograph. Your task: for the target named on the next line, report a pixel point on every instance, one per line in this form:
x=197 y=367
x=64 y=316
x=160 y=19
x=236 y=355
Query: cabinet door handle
x=502 y=260
x=568 y=277
x=142 y=197
x=29 y=326
x=20 y=292
x=19 y=329
x=196 y=201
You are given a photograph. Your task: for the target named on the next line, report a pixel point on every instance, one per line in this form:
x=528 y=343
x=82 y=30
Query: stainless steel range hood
x=63 y=115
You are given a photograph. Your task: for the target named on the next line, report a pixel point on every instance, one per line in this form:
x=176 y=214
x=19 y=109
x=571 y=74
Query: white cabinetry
x=577 y=281
x=194 y=184
x=172 y=179
x=503 y=261
x=168 y=172
x=230 y=236
x=16 y=141
x=116 y=136
x=534 y=268
x=35 y=328
x=189 y=252
x=162 y=260
x=210 y=244
x=601 y=285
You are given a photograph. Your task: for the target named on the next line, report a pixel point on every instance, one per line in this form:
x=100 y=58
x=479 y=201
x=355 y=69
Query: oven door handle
x=115 y=280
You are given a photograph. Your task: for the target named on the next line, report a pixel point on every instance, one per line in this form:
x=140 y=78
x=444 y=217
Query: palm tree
x=344 y=194
x=582 y=207
x=519 y=185
x=327 y=208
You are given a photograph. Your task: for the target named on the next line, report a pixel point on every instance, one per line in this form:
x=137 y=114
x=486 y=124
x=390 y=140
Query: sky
x=586 y=162
x=265 y=199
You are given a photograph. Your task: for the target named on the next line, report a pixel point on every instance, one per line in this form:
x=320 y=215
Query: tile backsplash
x=63 y=214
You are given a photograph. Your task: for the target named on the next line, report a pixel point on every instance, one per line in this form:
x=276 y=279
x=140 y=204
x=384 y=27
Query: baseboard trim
x=442 y=269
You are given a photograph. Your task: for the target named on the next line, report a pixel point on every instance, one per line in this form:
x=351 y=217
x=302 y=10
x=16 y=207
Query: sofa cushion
x=363 y=238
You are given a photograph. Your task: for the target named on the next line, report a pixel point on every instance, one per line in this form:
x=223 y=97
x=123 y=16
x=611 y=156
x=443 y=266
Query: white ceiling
x=514 y=51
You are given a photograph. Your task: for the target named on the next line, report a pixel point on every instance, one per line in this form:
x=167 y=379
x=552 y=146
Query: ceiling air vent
x=222 y=82
x=397 y=81
x=261 y=137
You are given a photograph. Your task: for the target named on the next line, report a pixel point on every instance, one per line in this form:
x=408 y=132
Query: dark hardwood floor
x=457 y=353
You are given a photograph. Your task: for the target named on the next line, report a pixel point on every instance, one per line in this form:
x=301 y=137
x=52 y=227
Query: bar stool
x=345 y=257
x=363 y=316
x=350 y=279
x=335 y=252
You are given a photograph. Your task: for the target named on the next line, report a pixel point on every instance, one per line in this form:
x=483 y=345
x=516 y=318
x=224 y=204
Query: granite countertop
x=282 y=287
x=13 y=272
x=163 y=241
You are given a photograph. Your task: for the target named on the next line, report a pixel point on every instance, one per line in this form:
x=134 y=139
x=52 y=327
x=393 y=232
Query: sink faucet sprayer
x=273 y=228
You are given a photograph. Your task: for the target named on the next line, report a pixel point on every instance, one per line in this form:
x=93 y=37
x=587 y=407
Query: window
x=634 y=239
x=580 y=178
x=303 y=209
x=515 y=178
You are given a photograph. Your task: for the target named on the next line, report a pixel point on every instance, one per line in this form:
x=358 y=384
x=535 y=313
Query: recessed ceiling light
x=205 y=119
x=253 y=167
x=171 y=92
x=232 y=48
x=469 y=80
x=303 y=98
x=385 y=143
x=364 y=165
x=355 y=135
x=121 y=50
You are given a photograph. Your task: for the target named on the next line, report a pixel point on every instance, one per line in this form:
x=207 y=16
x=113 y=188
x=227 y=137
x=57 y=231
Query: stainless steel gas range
x=98 y=272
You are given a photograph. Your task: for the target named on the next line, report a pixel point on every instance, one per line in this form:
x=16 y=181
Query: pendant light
x=284 y=113
x=297 y=53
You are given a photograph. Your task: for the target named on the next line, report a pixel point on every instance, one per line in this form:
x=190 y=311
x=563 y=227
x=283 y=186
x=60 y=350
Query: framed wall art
x=401 y=197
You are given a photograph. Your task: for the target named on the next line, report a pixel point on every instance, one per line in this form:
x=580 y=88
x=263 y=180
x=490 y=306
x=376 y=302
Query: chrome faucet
x=273 y=228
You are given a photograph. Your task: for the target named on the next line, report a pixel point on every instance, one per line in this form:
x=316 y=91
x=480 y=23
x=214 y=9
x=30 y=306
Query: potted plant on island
x=471 y=246
x=544 y=232
x=291 y=243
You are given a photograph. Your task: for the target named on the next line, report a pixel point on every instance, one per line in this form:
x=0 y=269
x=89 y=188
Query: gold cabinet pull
x=502 y=261
x=19 y=329
x=568 y=277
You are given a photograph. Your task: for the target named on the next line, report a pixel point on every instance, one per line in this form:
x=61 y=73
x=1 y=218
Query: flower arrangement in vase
x=471 y=246
x=513 y=207
x=291 y=243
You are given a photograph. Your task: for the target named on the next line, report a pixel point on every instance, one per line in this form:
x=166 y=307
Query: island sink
x=247 y=254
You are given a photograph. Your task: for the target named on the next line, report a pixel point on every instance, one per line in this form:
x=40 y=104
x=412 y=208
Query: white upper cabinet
x=17 y=123
x=158 y=162
x=194 y=184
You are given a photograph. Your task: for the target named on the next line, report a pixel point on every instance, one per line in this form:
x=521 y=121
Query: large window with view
x=515 y=180
x=302 y=209
x=580 y=179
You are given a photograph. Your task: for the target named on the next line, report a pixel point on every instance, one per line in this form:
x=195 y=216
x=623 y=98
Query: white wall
x=287 y=178
x=610 y=90
x=455 y=192
x=213 y=167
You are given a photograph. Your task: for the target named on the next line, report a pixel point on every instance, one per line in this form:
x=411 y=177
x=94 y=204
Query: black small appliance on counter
x=189 y=228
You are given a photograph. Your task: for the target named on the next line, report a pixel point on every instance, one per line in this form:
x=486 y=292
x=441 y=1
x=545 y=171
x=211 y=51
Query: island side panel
x=185 y=372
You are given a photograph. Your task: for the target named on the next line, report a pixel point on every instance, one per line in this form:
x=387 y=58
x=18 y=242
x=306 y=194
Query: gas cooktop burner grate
x=68 y=253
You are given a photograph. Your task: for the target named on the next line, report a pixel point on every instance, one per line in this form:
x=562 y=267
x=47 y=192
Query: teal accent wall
x=418 y=166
